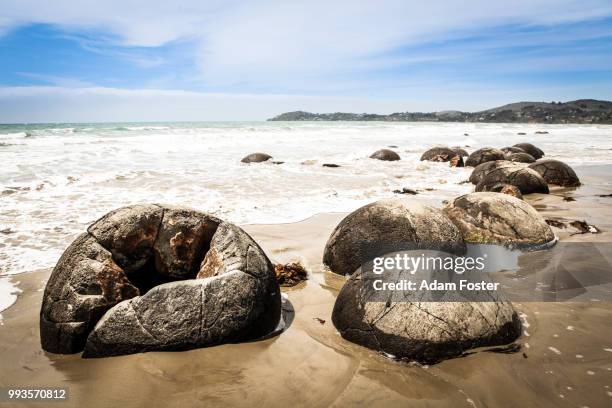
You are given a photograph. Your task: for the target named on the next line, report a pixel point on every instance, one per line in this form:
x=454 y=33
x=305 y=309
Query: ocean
x=58 y=178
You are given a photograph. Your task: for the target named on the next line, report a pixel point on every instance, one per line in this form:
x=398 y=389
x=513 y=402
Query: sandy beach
x=564 y=358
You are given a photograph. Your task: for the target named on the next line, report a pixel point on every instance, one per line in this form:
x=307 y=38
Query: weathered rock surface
x=460 y=151
x=128 y=285
x=183 y=239
x=386 y=223
x=256 y=158
x=494 y=218
x=556 y=172
x=512 y=149
x=482 y=169
x=527 y=180
x=426 y=331
x=439 y=154
x=483 y=155
x=84 y=284
x=507 y=189
x=457 y=161
x=386 y=155
x=536 y=152
x=520 y=157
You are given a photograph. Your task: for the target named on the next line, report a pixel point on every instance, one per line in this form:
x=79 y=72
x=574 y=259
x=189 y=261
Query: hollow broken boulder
x=129 y=285
x=439 y=154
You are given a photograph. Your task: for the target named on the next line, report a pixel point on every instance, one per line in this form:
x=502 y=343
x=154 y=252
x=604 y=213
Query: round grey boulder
x=483 y=155
x=483 y=168
x=129 y=285
x=439 y=154
x=520 y=157
x=527 y=180
x=256 y=158
x=386 y=155
x=534 y=151
x=556 y=172
x=492 y=218
x=373 y=229
x=426 y=332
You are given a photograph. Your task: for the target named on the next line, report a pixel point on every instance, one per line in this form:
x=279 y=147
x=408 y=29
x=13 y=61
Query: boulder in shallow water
x=483 y=155
x=425 y=331
x=386 y=155
x=439 y=154
x=527 y=180
x=256 y=158
x=556 y=172
x=129 y=285
x=520 y=157
x=492 y=218
x=383 y=224
x=534 y=151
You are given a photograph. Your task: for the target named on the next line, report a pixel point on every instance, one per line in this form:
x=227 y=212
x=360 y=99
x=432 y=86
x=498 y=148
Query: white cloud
x=263 y=43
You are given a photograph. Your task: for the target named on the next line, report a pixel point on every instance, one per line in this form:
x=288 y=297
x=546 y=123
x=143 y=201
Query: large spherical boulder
x=483 y=168
x=520 y=157
x=493 y=218
x=527 y=180
x=256 y=158
x=536 y=152
x=439 y=154
x=129 y=285
x=422 y=331
x=384 y=224
x=484 y=155
x=386 y=155
x=556 y=172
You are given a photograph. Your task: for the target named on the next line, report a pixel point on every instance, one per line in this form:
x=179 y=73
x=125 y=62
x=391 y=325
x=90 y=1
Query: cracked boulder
x=426 y=332
x=129 y=285
x=512 y=149
x=373 y=229
x=483 y=155
x=525 y=179
x=534 y=151
x=493 y=218
x=556 y=172
x=385 y=155
x=256 y=158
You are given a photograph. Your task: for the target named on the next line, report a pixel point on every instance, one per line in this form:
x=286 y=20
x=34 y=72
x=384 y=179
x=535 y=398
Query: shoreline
x=562 y=358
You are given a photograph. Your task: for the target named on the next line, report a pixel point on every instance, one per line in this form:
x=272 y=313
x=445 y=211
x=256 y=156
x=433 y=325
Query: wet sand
x=565 y=356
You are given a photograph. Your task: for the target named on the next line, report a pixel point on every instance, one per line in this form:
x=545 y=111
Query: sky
x=152 y=60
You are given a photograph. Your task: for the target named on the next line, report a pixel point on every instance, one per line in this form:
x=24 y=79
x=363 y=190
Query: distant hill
x=580 y=111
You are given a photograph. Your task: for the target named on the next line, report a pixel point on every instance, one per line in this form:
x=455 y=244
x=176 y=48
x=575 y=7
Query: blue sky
x=235 y=60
